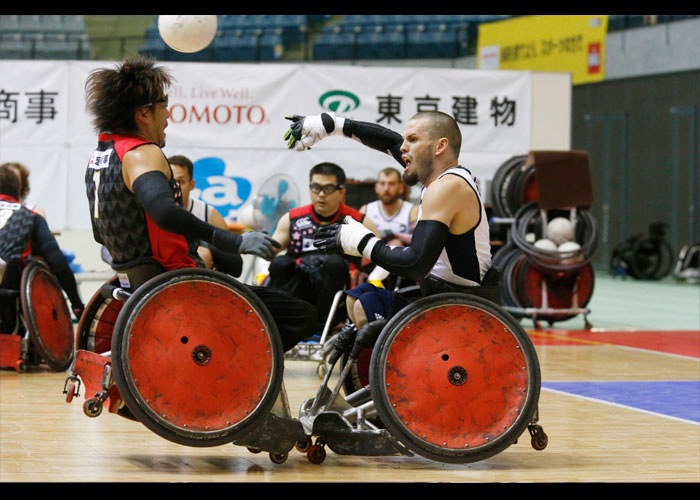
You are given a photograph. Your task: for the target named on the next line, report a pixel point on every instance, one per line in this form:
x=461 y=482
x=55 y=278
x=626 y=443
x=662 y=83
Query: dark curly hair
x=113 y=95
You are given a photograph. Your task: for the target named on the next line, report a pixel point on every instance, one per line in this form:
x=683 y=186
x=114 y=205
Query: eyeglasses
x=327 y=188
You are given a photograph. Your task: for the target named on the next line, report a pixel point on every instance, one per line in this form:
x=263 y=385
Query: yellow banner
x=574 y=44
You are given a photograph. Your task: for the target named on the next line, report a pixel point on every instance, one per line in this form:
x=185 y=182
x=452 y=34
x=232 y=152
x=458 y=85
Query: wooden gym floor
x=619 y=402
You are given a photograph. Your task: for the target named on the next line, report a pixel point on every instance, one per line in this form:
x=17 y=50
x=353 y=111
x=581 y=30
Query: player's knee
x=360 y=318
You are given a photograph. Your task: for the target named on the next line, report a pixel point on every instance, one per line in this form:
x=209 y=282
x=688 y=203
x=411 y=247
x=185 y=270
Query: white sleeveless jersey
x=399 y=223
x=466 y=257
x=199 y=209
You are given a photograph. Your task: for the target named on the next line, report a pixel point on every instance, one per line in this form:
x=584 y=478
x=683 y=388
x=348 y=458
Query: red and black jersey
x=119 y=222
x=16 y=227
x=303 y=224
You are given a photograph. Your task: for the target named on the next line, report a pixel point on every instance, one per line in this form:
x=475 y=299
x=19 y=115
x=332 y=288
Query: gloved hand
x=386 y=234
x=343 y=342
x=251 y=242
x=306 y=131
x=259 y=244
x=349 y=237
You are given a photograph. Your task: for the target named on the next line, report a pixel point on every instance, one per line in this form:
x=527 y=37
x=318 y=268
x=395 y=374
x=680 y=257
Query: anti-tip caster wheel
x=71 y=392
x=539 y=439
x=253 y=449
x=303 y=445
x=316 y=454
x=278 y=458
x=92 y=407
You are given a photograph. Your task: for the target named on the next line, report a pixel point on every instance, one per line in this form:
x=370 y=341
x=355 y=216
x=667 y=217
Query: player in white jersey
x=394 y=217
x=183 y=170
x=391 y=213
x=450 y=247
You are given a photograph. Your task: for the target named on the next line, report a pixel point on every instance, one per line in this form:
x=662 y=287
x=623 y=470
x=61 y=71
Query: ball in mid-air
x=187 y=33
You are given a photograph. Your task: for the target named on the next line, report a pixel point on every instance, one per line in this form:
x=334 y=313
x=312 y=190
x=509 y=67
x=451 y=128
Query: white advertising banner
x=229 y=120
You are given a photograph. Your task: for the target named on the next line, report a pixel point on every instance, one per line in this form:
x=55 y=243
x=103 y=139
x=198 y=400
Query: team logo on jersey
x=100 y=159
x=225 y=193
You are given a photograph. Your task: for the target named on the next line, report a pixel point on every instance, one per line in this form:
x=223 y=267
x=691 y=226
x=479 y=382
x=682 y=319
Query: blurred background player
x=393 y=215
x=395 y=218
x=183 y=170
x=135 y=202
x=23 y=173
x=23 y=234
x=304 y=271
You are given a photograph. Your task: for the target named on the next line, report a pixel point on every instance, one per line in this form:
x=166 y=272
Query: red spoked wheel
x=47 y=316
x=94 y=331
x=455 y=378
x=197 y=357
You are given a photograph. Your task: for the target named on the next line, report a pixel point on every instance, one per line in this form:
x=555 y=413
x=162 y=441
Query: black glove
x=343 y=342
x=386 y=234
x=327 y=238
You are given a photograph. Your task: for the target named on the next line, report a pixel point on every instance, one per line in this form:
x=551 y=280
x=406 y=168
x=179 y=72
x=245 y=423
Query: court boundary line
x=618 y=405
x=574 y=340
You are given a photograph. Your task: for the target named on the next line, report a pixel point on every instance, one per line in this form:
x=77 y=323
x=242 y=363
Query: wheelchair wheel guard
x=197 y=357
x=455 y=378
x=47 y=316
x=94 y=331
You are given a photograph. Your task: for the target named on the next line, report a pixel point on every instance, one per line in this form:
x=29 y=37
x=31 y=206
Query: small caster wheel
x=20 y=366
x=303 y=445
x=92 y=407
x=316 y=454
x=539 y=439
x=279 y=458
x=254 y=450
x=539 y=442
x=70 y=393
x=321 y=370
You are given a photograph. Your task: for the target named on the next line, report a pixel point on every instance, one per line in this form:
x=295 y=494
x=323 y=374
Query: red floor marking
x=682 y=342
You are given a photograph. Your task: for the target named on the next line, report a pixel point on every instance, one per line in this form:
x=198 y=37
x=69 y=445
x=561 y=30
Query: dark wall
x=643 y=140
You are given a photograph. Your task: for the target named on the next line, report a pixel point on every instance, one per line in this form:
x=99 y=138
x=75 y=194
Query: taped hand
x=305 y=131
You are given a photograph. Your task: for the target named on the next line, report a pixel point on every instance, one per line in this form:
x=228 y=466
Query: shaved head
x=442 y=125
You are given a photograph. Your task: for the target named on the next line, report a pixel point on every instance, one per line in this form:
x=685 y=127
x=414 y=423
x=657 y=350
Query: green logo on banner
x=339 y=101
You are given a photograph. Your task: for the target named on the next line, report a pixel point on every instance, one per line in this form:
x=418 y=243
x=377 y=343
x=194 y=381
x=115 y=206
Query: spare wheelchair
x=43 y=328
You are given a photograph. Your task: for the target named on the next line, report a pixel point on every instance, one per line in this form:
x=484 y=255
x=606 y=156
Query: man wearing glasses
x=304 y=271
x=135 y=201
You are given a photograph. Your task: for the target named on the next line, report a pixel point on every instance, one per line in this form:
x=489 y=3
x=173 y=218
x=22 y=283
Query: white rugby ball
x=187 y=33
x=560 y=230
x=545 y=244
x=569 y=246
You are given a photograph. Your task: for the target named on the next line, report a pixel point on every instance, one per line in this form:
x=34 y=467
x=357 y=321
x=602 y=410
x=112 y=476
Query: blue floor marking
x=679 y=399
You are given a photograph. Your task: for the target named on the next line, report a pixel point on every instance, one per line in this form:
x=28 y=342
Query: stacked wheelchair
x=542 y=279
x=194 y=356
